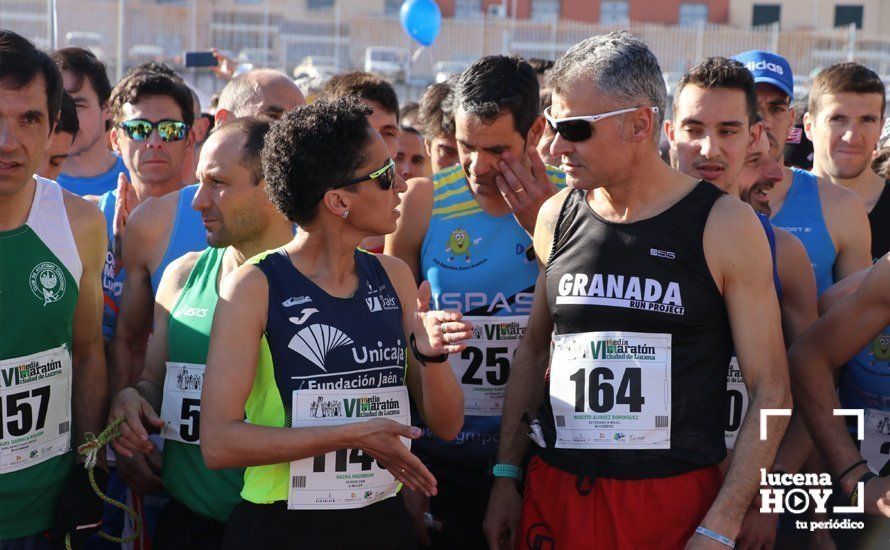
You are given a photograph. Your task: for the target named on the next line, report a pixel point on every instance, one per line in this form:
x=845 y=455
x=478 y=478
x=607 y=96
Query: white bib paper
x=181 y=407
x=483 y=367
x=611 y=390
x=347 y=478
x=875 y=447
x=736 y=402
x=35 y=408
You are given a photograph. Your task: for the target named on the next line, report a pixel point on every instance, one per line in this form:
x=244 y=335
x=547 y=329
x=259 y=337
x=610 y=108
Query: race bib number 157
x=35 y=408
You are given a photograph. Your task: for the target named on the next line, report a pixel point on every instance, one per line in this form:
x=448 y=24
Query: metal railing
x=127 y=32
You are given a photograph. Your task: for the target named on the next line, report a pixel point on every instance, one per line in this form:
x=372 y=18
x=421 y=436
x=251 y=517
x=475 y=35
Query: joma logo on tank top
x=620 y=291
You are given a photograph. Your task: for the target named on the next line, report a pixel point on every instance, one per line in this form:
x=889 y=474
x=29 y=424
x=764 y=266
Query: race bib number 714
x=346 y=478
x=611 y=390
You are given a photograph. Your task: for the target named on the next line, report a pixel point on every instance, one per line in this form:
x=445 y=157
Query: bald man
x=155 y=237
x=263 y=92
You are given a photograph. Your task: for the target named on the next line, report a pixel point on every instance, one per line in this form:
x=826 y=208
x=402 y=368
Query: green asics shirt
x=209 y=493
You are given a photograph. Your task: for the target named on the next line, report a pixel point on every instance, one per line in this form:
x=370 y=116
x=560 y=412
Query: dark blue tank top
x=319 y=341
x=771 y=237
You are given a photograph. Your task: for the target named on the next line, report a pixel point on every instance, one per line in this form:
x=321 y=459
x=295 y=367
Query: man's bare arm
x=128 y=346
x=172 y=282
x=407 y=240
x=524 y=388
x=822 y=350
x=738 y=255
x=847 y=222
x=90 y=377
x=798 y=303
x=141 y=403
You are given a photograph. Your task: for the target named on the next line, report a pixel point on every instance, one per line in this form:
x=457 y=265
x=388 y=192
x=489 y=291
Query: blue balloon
x=421 y=20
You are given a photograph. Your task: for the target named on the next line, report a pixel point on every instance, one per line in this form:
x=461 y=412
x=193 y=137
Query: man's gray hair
x=620 y=65
x=238 y=93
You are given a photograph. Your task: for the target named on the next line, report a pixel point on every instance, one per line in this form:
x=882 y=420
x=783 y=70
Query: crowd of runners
x=548 y=307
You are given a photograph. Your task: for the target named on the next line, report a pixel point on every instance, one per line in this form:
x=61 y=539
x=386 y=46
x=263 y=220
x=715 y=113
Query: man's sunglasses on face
x=140 y=129
x=580 y=128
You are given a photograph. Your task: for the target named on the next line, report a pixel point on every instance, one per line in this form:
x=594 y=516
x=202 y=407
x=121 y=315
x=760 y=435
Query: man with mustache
x=828 y=220
x=844 y=120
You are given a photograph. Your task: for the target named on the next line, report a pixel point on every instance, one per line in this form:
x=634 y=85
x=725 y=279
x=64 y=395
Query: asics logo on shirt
x=620 y=291
x=189 y=311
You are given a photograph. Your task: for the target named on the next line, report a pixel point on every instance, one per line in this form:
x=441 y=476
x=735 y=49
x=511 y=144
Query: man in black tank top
x=649 y=279
x=879 y=220
x=844 y=120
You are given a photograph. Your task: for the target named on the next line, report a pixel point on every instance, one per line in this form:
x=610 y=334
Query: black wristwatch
x=424 y=359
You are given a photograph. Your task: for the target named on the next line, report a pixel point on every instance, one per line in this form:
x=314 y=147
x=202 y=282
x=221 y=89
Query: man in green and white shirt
x=52 y=368
x=240 y=223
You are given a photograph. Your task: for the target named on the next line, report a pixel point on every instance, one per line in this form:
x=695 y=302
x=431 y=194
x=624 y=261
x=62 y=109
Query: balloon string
x=417 y=53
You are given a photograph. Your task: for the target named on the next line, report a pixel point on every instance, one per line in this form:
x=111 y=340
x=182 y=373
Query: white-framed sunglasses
x=579 y=128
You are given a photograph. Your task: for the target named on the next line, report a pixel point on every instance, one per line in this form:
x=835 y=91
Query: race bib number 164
x=611 y=390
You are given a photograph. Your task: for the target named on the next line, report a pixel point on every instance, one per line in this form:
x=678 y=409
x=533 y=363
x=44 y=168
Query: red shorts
x=640 y=513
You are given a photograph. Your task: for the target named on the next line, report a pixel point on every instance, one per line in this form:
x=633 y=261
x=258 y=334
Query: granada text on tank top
x=641 y=345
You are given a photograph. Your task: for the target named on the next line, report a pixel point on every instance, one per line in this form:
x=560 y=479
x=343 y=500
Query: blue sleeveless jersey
x=801 y=215
x=480 y=265
x=771 y=237
x=188 y=235
x=96 y=185
x=865 y=382
x=318 y=339
x=112 y=280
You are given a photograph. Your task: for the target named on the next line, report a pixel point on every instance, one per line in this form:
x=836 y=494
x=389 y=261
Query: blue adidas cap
x=768 y=67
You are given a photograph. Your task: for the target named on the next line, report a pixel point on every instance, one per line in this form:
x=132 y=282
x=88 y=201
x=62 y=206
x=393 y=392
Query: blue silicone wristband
x=705 y=532
x=507 y=470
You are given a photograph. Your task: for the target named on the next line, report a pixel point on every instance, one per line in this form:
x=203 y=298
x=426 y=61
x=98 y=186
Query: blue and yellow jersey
x=482 y=266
